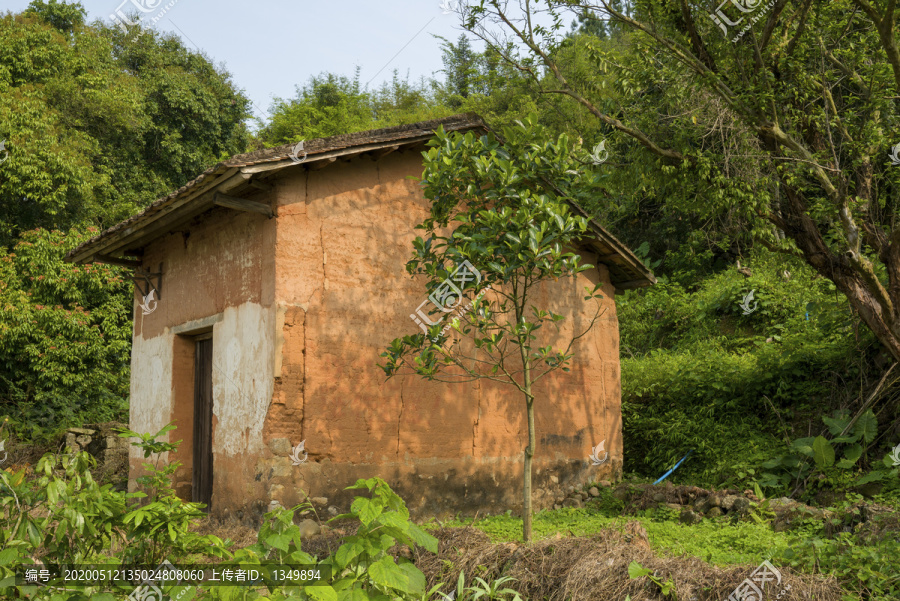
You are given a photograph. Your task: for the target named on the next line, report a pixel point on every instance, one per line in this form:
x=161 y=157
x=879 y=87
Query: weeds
x=720 y=543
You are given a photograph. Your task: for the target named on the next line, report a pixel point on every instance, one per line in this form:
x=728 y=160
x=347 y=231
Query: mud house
x=266 y=289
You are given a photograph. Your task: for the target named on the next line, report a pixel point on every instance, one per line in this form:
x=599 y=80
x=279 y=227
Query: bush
x=871 y=572
x=65 y=337
x=63 y=516
x=699 y=374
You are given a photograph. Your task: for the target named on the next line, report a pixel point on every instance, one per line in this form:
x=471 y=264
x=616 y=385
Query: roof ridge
x=280 y=153
x=313 y=145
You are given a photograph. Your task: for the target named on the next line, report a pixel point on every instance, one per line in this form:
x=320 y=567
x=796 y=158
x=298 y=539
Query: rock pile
x=693 y=503
x=575 y=497
x=104 y=445
x=712 y=506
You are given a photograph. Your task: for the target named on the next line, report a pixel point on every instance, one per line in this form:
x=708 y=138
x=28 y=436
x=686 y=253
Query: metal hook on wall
x=146 y=277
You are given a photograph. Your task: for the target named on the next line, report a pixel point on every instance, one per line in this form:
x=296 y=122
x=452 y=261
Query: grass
x=719 y=542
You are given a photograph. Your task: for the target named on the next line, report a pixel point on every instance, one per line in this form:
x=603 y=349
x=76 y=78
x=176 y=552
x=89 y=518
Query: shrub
x=65 y=337
x=699 y=374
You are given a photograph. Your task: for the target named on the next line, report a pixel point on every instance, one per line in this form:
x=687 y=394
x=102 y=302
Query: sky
x=270 y=46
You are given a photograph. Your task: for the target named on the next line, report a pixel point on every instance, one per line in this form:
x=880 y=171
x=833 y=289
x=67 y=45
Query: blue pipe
x=666 y=475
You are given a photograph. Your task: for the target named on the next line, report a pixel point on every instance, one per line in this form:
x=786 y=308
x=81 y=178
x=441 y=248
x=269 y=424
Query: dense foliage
x=98 y=124
x=65 y=336
x=330 y=104
x=67 y=517
x=95 y=125
x=789 y=127
x=701 y=374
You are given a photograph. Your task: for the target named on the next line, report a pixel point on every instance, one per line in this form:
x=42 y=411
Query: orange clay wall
x=343 y=236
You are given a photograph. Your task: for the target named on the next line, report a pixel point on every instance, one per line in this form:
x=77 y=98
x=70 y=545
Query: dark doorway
x=201 y=491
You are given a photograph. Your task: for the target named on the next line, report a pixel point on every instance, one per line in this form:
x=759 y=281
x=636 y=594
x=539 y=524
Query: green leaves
x=8 y=555
x=150 y=115
x=504 y=214
x=511 y=223
x=823 y=452
x=636 y=570
x=362 y=566
x=63 y=327
x=279 y=541
x=387 y=574
x=699 y=199
x=71 y=531
x=866 y=427
x=836 y=425
x=325 y=593
x=365 y=509
x=851 y=456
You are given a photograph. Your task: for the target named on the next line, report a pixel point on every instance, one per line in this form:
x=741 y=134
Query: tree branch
x=884 y=24
x=568 y=90
x=696 y=42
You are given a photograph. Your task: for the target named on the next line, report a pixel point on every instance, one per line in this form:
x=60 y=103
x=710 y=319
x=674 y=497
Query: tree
x=786 y=119
x=330 y=104
x=461 y=69
x=65 y=336
x=497 y=217
x=63 y=16
x=400 y=102
x=589 y=23
x=327 y=105
x=94 y=126
x=97 y=125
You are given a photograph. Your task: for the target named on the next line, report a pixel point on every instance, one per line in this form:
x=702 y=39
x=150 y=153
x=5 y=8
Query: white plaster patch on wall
x=243 y=384
x=151 y=386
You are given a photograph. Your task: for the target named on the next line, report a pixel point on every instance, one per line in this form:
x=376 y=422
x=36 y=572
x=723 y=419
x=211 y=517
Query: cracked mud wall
x=342 y=292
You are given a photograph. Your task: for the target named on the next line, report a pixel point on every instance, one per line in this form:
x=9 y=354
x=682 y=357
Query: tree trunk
x=529 y=414
x=881 y=320
x=529 y=454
